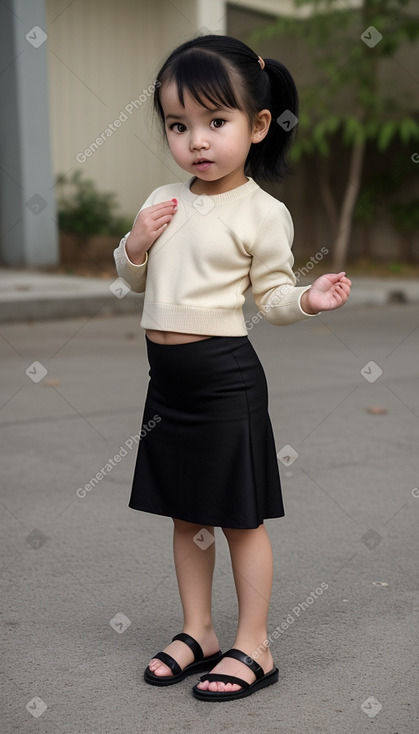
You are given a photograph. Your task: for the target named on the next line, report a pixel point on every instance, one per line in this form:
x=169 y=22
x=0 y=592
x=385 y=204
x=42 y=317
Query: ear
x=260 y=126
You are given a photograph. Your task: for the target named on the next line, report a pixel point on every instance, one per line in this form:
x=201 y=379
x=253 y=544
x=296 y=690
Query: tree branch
x=348 y=205
x=327 y=197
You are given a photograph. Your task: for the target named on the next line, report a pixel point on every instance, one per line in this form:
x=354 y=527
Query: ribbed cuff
x=309 y=315
x=134 y=265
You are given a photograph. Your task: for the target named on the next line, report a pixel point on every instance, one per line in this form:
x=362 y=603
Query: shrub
x=85 y=211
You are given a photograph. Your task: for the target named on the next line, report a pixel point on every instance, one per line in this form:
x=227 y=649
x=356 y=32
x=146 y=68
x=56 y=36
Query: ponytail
x=267 y=160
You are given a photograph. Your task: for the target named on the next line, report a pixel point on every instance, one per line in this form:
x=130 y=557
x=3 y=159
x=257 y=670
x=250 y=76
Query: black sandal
x=262 y=679
x=200 y=663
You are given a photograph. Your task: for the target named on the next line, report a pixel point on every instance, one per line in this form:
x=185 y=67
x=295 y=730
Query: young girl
x=207 y=457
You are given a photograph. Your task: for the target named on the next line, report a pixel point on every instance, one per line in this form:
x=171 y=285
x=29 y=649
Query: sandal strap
x=169 y=661
x=192 y=643
x=247 y=660
x=225 y=679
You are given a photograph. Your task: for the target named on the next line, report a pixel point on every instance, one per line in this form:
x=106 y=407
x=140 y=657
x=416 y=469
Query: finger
x=345 y=286
x=342 y=295
x=169 y=202
x=163 y=207
x=163 y=216
x=160 y=230
x=334 y=277
x=165 y=219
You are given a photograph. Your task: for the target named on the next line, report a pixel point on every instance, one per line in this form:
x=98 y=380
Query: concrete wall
x=28 y=232
x=103 y=58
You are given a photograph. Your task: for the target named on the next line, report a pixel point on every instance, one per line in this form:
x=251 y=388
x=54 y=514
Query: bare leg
x=194 y=572
x=252 y=562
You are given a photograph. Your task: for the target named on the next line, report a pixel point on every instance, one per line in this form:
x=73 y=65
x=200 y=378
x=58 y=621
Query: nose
x=198 y=140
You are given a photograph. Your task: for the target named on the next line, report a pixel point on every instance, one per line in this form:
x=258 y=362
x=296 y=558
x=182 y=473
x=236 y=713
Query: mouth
x=202 y=164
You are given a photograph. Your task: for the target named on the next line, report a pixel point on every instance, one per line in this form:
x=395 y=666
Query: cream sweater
x=215 y=247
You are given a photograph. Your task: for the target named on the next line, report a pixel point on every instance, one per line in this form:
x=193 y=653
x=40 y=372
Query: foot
x=183 y=654
x=231 y=666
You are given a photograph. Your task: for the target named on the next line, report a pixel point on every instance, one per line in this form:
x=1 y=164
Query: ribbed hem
x=190 y=320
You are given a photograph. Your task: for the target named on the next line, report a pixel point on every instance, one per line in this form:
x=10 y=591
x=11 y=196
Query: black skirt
x=207 y=451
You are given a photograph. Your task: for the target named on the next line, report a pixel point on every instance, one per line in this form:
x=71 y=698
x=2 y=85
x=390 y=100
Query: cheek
x=176 y=142
x=173 y=144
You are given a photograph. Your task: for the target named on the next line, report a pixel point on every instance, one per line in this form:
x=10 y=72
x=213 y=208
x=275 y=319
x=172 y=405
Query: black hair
x=224 y=71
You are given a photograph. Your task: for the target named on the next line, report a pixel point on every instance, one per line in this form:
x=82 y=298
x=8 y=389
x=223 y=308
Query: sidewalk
x=31 y=295
x=88 y=585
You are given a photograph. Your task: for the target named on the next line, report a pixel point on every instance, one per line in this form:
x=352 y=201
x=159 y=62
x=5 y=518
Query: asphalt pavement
x=88 y=585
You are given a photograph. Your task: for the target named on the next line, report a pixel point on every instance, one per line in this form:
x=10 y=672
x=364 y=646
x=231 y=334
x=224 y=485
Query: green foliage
x=85 y=211
x=406 y=215
x=383 y=185
x=396 y=268
x=349 y=96
x=366 y=206
x=354 y=99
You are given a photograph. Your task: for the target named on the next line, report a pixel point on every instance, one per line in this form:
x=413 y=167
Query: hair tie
x=261 y=62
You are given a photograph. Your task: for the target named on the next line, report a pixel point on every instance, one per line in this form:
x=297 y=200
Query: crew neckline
x=227 y=196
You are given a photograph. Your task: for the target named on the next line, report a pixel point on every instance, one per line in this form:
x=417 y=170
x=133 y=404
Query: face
x=211 y=144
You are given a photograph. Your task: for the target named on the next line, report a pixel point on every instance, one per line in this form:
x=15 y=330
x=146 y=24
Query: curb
x=41 y=309
x=33 y=296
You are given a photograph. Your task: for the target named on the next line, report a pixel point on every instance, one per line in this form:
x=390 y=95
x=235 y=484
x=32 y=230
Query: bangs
x=205 y=77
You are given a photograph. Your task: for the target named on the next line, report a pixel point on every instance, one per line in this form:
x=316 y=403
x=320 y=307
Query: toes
x=231 y=687
x=218 y=686
x=160 y=668
x=213 y=686
x=154 y=664
x=163 y=670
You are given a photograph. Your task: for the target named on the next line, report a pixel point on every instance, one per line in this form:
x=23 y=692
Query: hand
x=150 y=224
x=326 y=293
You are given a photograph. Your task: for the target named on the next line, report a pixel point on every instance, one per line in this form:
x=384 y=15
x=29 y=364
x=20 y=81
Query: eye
x=218 y=122
x=178 y=127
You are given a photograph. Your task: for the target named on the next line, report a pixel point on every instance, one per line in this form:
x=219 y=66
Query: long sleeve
x=134 y=275
x=273 y=281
